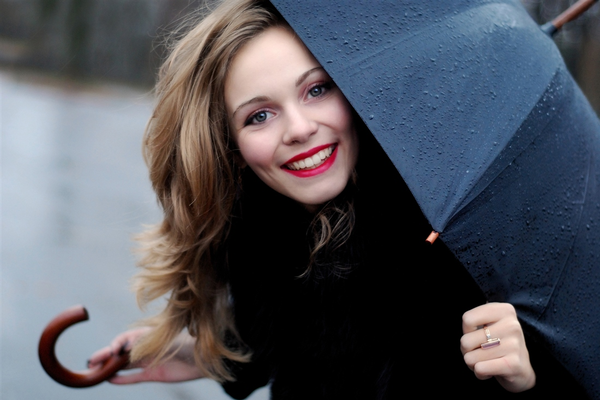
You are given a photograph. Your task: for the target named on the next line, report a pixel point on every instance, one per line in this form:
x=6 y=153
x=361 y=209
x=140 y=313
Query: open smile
x=313 y=162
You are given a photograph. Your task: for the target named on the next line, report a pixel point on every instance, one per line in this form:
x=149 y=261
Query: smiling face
x=293 y=126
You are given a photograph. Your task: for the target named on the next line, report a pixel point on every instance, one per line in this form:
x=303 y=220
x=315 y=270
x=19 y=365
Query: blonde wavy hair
x=194 y=170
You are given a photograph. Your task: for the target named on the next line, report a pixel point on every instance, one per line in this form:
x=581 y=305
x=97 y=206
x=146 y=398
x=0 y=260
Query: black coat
x=389 y=323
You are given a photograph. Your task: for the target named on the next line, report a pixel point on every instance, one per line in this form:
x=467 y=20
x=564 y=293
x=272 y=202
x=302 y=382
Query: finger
x=476 y=356
x=485 y=369
x=514 y=374
x=510 y=346
x=501 y=367
x=138 y=364
x=100 y=356
x=126 y=379
x=474 y=340
x=154 y=374
x=486 y=314
x=508 y=330
x=122 y=343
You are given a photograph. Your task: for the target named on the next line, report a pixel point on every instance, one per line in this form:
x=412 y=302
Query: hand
x=181 y=367
x=507 y=362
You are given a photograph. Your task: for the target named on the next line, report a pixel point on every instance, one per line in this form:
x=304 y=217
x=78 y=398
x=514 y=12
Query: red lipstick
x=307 y=173
x=309 y=153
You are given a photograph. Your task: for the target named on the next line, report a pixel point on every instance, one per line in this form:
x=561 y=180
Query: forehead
x=276 y=56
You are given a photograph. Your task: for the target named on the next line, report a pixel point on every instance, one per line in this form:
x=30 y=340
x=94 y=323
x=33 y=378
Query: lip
x=309 y=153
x=307 y=173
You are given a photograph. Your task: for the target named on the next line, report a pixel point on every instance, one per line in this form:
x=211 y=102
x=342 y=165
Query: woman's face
x=291 y=123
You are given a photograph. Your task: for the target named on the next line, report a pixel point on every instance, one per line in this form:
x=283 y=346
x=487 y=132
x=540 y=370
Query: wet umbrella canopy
x=473 y=104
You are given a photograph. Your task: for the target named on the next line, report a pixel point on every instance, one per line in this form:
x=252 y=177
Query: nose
x=300 y=125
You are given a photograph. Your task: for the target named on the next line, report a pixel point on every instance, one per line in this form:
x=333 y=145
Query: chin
x=313 y=202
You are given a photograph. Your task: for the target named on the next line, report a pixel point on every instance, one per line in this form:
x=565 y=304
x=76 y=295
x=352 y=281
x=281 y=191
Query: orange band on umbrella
x=432 y=237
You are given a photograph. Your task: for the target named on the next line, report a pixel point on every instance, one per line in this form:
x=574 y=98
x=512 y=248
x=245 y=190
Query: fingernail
x=88 y=363
x=124 y=348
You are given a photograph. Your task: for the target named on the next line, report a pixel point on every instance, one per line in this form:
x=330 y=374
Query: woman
x=276 y=248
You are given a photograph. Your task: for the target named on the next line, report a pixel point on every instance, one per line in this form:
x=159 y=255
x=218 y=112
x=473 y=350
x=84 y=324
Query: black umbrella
x=473 y=104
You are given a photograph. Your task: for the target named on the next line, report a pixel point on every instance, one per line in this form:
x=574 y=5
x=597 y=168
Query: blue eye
x=258 y=118
x=320 y=89
x=316 y=91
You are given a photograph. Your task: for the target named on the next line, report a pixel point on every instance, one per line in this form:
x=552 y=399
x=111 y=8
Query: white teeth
x=312 y=162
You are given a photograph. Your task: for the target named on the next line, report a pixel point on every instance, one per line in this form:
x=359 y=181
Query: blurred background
x=578 y=41
x=75 y=82
x=75 y=94
x=120 y=40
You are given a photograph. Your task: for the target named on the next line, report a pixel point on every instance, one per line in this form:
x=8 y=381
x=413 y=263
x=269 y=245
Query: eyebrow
x=305 y=75
x=259 y=99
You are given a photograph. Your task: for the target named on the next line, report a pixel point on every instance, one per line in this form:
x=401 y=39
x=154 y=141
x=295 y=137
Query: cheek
x=346 y=127
x=341 y=113
x=256 y=153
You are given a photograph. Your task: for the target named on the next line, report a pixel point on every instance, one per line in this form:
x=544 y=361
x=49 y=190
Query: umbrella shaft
x=572 y=12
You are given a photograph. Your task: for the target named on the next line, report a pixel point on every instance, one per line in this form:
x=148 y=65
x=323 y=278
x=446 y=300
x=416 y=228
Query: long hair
x=194 y=169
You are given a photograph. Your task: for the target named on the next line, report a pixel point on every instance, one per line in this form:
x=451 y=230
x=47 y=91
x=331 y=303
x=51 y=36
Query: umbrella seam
x=563 y=267
x=468 y=200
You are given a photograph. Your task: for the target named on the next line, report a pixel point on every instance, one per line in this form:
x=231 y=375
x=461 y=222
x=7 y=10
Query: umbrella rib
x=563 y=267
x=480 y=185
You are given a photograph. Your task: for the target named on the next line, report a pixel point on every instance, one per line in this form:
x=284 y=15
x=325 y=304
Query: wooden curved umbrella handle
x=61 y=374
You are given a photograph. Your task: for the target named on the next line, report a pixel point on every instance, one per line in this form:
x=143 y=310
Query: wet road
x=74 y=191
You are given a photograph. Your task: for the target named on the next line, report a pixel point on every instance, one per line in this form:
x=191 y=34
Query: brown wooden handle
x=61 y=374
x=572 y=12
